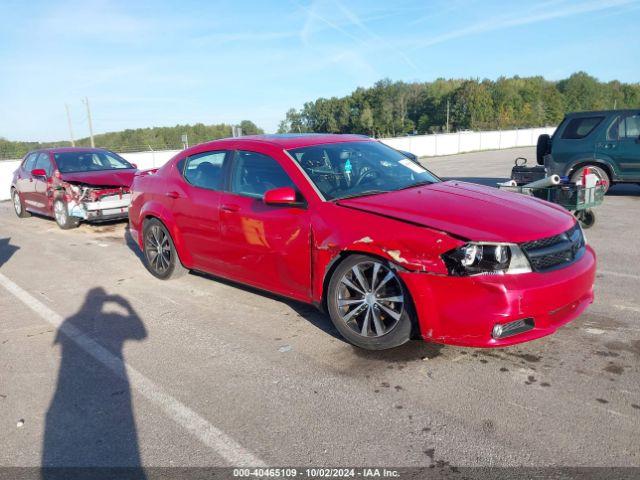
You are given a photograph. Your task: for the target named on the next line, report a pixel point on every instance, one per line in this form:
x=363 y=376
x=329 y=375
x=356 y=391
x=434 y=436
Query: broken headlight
x=482 y=258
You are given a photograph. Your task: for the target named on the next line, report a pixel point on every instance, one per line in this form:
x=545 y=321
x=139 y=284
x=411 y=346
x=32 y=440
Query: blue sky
x=162 y=63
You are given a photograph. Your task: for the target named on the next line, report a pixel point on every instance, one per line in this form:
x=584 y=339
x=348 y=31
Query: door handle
x=172 y=194
x=230 y=208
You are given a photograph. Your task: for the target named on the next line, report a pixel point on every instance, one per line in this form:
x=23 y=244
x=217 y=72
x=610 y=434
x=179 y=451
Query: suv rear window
x=581 y=127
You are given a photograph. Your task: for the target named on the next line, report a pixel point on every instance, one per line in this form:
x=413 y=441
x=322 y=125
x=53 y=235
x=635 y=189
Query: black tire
x=599 y=171
x=375 y=312
x=155 y=239
x=587 y=218
x=61 y=214
x=543 y=147
x=18 y=204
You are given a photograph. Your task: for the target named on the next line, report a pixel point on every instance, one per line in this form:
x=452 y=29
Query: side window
x=44 y=162
x=630 y=127
x=29 y=162
x=255 y=173
x=205 y=170
x=578 y=128
x=625 y=128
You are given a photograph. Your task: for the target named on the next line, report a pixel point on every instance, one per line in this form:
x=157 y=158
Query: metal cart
x=575 y=198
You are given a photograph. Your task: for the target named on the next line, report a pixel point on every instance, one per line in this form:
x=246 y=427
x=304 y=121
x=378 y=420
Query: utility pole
x=73 y=142
x=86 y=102
x=447 y=115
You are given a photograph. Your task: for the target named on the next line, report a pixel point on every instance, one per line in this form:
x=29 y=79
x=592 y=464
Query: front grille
x=555 y=252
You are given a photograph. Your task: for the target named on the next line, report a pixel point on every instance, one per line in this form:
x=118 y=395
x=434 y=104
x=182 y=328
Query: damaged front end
x=95 y=203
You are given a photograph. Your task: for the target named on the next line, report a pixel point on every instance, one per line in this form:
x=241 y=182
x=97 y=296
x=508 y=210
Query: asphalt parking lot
x=102 y=364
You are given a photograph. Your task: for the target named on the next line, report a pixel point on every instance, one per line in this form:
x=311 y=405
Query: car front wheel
x=18 y=206
x=369 y=304
x=161 y=258
x=61 y=214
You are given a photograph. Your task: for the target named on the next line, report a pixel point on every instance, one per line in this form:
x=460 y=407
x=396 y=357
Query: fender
x=603 y=160
x=158 y=210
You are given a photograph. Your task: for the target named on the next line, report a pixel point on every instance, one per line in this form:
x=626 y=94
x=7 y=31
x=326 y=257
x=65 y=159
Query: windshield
x=351 y=169
x=71 y=162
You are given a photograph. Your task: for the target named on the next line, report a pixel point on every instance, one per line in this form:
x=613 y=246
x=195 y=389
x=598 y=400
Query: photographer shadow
x=90 y=421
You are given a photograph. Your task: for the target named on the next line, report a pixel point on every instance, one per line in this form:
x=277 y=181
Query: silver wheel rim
x=60 y=211
x=16 y=203
x=157 y=249
x=370 y=299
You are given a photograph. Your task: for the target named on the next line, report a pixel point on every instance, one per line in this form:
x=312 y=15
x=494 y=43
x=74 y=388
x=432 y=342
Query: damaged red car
x=354 y=227
x=72 y=185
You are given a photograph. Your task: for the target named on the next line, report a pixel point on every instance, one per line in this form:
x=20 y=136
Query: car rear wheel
x=61 y=214
x=369 y=304
x=18 y=206
x=602 y=175
x=161 y=258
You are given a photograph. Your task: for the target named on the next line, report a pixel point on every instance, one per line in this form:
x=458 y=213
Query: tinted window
x=581 y=127
x=205 y=170
x=255 y=173
x=44 y=162
x=29 y=162
x=625 y=127
x=69 y=162
x=349 y=169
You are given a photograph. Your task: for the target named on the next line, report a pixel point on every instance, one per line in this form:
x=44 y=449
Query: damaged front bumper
x=110 y=207
x=465 y=310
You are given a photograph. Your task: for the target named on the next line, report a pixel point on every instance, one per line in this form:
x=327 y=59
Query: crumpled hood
x=472 y=211
x=107 y=178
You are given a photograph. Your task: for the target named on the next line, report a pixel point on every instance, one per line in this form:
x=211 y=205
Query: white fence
x=461 y=142
x=421 y=145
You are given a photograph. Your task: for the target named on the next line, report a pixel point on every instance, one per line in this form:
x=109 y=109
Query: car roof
x=601 y=112
x=290 y=140
x=69 y=149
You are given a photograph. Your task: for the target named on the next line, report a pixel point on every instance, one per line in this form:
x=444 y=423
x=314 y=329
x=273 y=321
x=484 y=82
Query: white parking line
x=208 y=434
x=618 y=274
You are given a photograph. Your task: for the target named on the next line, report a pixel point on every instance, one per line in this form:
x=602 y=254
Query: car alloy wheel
x=17 y=204
x=157 y=249
x=370 y=299
x=60 y=211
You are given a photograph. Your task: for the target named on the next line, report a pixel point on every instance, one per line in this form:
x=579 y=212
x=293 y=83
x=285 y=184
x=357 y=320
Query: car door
x=24 y=182
x=627 y=152
x=264 y=245
x=195 y=201
x=41 y=186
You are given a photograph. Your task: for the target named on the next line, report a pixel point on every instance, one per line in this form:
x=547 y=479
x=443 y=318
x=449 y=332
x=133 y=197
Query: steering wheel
x=366 y=173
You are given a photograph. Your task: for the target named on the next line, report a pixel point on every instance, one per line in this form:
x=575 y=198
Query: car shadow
x=90 y=421
x=624 y=190
x=6 y=250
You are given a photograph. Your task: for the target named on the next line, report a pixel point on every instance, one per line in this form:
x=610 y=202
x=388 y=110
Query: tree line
x=390 y=109
x=154 y=138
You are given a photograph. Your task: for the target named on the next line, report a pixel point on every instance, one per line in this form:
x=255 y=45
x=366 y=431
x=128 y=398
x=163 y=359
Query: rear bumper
x=463 y=310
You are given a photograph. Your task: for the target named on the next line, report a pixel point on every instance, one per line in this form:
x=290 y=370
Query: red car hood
x=471 y=211
x=106 y=178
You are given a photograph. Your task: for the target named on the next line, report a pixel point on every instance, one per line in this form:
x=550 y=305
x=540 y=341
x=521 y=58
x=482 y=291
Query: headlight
x=478 y=258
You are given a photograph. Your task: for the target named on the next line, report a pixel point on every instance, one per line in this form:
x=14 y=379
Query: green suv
x=608 y=141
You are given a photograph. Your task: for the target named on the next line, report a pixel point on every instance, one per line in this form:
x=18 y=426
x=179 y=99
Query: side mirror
x=134 y=165
x=39 y=172
x=281 y=196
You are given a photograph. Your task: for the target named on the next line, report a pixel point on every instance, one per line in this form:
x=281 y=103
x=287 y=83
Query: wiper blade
x=361 y=194
x=417 y=184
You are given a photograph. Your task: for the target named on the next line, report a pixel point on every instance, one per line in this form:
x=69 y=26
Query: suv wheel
x=18 y=206
x=599 y=172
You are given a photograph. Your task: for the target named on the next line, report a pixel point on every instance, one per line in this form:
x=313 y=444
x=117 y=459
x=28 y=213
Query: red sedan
x=73 y=184
x=350 y=225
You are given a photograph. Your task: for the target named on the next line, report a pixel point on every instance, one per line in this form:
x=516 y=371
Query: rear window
x=581 y=127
